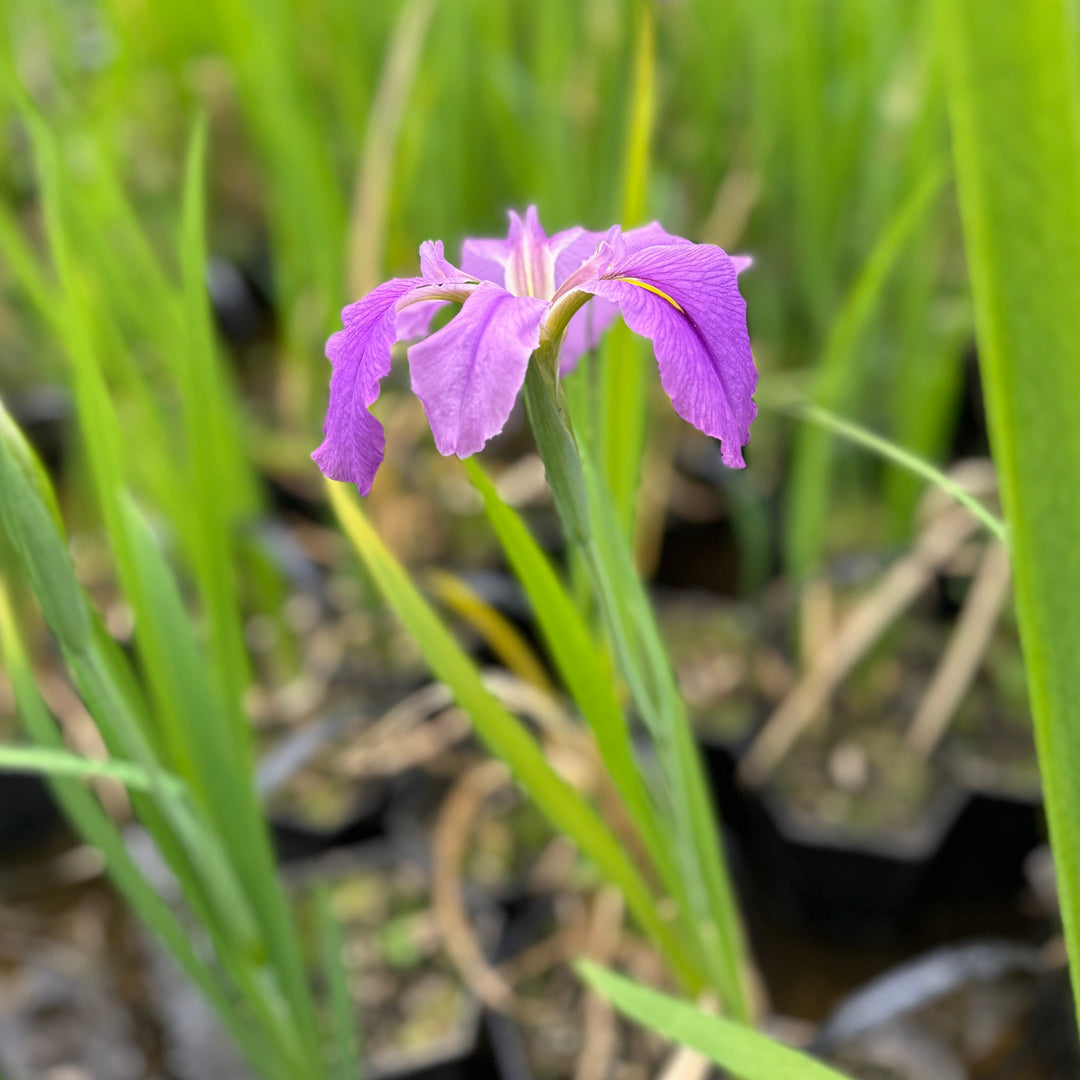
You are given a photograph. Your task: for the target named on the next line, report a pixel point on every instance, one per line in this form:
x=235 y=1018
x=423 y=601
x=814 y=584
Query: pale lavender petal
x=649 y=235
x=611 y=249
x=530 y=270
x=574 y=247
x=742 y=262
x=686 y=299
x=434 y=268
x=593 y=320
x=468 y=373
x=441 y=278
x=414 y=321
x=353 y=448
x=571 y=248
x=485 y=259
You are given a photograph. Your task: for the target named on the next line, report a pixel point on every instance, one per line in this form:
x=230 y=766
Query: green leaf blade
x=505 y=735
x=1012 y=73
x=582 y=666
x=741 y=1050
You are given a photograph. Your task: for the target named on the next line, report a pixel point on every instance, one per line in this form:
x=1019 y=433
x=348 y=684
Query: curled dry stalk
x=492 y=985
x=449 y=842
x=417 y=729
x=573 y=753
x=598 y=935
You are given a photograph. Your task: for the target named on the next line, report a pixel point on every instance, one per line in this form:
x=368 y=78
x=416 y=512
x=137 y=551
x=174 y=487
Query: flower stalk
x=704 y=892
x=545 y=404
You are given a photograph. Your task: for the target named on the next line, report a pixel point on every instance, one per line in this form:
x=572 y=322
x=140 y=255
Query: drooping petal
x=353 y=447
x=440 y=278
x=468 y=373
x=576 y=249
x=685 y=298
x=651 y=235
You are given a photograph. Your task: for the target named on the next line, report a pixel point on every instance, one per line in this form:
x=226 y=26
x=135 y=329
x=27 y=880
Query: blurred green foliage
x=795 y=132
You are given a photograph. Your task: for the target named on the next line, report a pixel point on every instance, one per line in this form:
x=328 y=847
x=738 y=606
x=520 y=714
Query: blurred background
x=895 y=809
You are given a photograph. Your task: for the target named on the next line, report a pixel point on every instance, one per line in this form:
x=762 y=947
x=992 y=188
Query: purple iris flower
x=530 y=290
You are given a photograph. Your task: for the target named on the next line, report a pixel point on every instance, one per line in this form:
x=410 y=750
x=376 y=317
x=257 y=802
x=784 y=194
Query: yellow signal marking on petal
x=653 y=289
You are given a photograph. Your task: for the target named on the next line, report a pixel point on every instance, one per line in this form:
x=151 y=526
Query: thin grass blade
x=910 y=462
x=740 y=1050
x=838 y=374
x=88 y=817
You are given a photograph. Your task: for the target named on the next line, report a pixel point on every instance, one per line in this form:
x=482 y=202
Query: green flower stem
x=591 y=526
x=550 y=422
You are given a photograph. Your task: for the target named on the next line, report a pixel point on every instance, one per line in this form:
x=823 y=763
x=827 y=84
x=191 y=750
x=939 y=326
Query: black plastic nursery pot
x=984 y=853
x=870 y=887
x=507 y=1049
x=28 y=813
x=547 y=1045
x=843 y=885
x=474 y=1061
x=525 y=923
x=45 y=414
x=510 y=1055
x=296 y=839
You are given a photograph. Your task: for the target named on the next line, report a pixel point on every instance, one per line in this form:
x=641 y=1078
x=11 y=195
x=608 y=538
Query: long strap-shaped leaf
x=505 y=735
x=193 y=848
x=587 y=673
x=95 y=826
x=47 y=761
x=734 y=1046
x=1013 y=98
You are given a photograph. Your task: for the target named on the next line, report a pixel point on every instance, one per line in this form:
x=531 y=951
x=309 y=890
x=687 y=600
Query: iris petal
x=590 y=324
x=353 y=447
x=530 y=270
x=486 y=259
x=468 y=373
x=685 y=298
x=414 y=321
